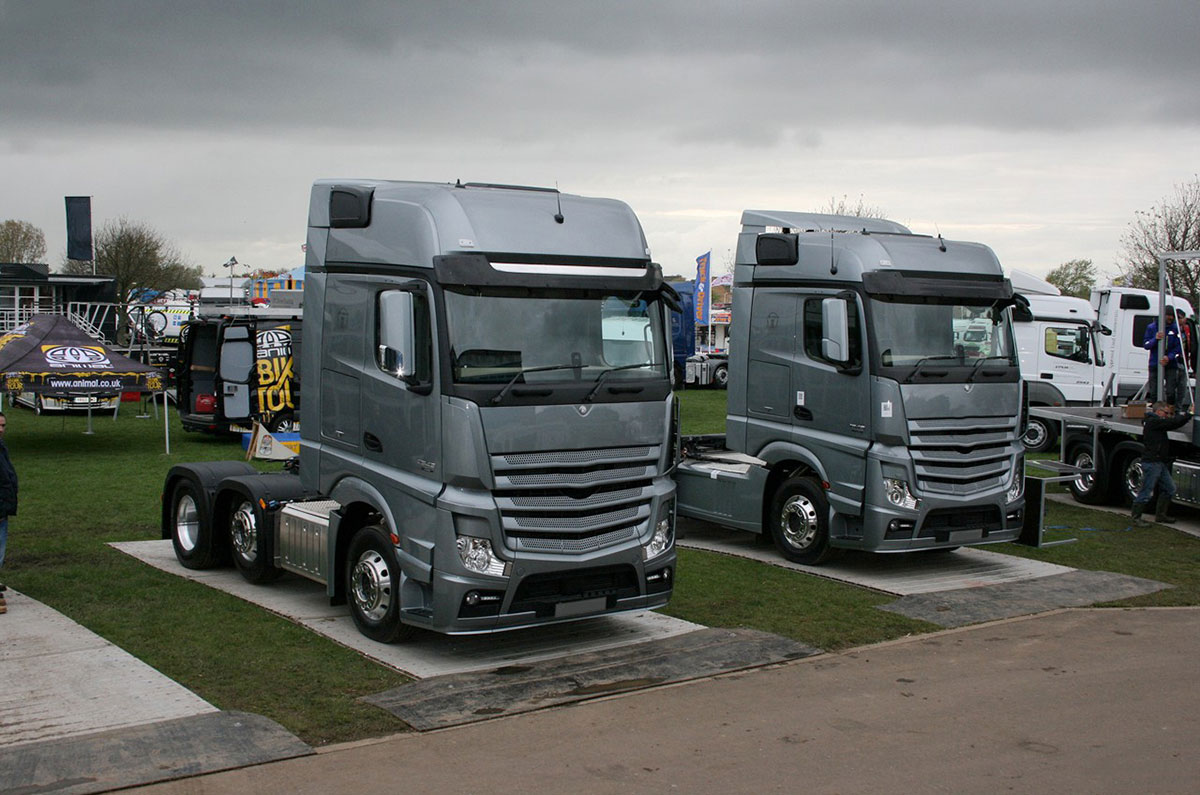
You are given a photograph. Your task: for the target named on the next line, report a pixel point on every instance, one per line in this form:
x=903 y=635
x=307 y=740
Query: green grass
x=79 y=492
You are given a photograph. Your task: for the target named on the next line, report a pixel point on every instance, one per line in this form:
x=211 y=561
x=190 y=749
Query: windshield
x=548 y=337
x=910 y=331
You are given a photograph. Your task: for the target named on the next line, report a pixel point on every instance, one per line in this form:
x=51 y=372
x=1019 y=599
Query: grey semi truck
x=487 y=422
x=856 y=418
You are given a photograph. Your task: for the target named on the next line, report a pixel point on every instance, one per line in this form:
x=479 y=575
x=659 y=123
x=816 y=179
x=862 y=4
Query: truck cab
x=856 y=419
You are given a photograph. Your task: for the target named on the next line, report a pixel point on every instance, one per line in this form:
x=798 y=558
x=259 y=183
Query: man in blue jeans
x=1156 y=462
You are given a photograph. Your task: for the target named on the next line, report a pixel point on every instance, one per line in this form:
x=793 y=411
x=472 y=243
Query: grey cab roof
x=843 y=248
x=411 y=222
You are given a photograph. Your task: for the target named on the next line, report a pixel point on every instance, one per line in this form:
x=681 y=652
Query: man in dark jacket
x=8 y=500
x=1156 y=462
x=1175 y=389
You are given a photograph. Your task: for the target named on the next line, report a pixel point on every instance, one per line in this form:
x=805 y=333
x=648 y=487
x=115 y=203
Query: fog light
x=898 y=494
x=660 y=542
x=472 y=598
x=477 y=556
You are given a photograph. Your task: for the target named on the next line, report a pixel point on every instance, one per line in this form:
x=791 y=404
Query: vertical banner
x=703 y=283
x=79 y=228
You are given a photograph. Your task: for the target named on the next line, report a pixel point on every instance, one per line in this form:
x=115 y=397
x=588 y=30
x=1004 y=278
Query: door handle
x=372 y=443
x=802 y=413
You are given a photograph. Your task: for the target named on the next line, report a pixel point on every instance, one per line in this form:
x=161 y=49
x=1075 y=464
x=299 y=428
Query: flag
x=703 y=277
x=79 y=228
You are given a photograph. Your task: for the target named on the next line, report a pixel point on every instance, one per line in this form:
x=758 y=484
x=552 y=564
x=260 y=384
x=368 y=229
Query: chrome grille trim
x=963 y=456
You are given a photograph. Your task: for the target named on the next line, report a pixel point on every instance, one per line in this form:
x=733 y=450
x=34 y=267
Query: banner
x=79 y=228
x=703 y=277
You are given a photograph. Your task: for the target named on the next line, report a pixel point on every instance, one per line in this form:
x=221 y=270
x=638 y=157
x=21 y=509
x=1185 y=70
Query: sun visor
x=935 y=284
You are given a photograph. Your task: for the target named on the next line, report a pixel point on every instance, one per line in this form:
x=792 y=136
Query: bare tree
x=21 y=241
x=137 y=256
x=1075 y=277
x=859 y=209
x=1171 y=225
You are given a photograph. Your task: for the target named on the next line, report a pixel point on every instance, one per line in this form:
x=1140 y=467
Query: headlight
x=476 y=554
x=898 y=494
x=1016 y=486
x=660 y=542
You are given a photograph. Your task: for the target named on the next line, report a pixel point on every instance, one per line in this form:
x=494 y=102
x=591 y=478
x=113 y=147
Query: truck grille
x=574 y=501
x=963 y=456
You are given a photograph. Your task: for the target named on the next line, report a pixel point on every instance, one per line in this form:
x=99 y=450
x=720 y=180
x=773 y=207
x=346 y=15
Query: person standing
x=8 y=501
x=1171 y=369
x=1156 y=462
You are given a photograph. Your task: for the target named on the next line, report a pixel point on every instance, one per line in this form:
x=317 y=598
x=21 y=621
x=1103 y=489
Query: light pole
x=231 y=265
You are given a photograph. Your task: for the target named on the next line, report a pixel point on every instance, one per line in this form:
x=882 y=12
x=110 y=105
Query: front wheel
x=800 y=521
x=373 y=587
x=191 y=529
x=1040 y=436
x=251 y=543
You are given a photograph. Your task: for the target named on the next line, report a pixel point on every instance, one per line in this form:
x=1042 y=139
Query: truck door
x=401 y=416
x=235 y=369
x=831 y=398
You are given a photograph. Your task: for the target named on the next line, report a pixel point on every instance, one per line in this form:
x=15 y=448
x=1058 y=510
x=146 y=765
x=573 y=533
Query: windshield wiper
x=922 y=360
x=504 y=390
x=600 y=378
x=975 y=369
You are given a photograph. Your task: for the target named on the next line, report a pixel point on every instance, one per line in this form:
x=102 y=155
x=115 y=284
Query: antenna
x=941 y=243
x=832 y=264
x=558 y=216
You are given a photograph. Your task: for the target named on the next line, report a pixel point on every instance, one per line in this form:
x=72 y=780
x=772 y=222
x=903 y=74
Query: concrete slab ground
x=428 y=654
x=902 y=575
x=58 y=680
x=1097 y=701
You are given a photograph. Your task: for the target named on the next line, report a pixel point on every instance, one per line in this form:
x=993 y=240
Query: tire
x=1128 y=476
x=720 y=377
x=373 y=587
x=283 y=422
x=1089 y=489
x=799 y=520
x=251 y=543
x=1040 y=436
x=191 y=528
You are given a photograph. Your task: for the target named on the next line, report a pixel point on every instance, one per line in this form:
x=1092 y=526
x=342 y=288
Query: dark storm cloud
x=754 y=73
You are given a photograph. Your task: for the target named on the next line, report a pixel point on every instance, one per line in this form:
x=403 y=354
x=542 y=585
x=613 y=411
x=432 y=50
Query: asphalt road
x=1082 y=700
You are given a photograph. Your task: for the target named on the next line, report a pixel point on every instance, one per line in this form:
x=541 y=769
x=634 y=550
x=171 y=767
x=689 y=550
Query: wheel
x=191 y=530
x=282 y=422
x=1129 y=475
x=373 y=587
x=800 y=521
x=251 y=543
x=720 y=377
x=1040 y=435
x=1089 y=489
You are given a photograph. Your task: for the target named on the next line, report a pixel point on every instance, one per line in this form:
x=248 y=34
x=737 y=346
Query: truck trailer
x=487 y=416
x=856 y=419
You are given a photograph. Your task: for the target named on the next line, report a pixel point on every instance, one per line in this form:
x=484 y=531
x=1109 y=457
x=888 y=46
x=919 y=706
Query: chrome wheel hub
x=798 y=522
x=371 y=585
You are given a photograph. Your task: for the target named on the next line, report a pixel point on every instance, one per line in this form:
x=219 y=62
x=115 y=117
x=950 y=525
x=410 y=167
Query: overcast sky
x=1035 y=126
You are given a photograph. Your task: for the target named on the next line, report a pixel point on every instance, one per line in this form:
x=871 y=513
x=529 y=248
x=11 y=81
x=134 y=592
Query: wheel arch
x=362 y=505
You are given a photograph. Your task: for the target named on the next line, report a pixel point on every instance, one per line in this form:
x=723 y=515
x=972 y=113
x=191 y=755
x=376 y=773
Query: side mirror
x=397 y=335
x=835 y=340
x=777 y=249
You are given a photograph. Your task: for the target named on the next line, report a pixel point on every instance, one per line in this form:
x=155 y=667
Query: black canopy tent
x=51 y=354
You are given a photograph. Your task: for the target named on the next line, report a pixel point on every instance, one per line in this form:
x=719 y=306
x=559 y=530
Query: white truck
x=1077 y=353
